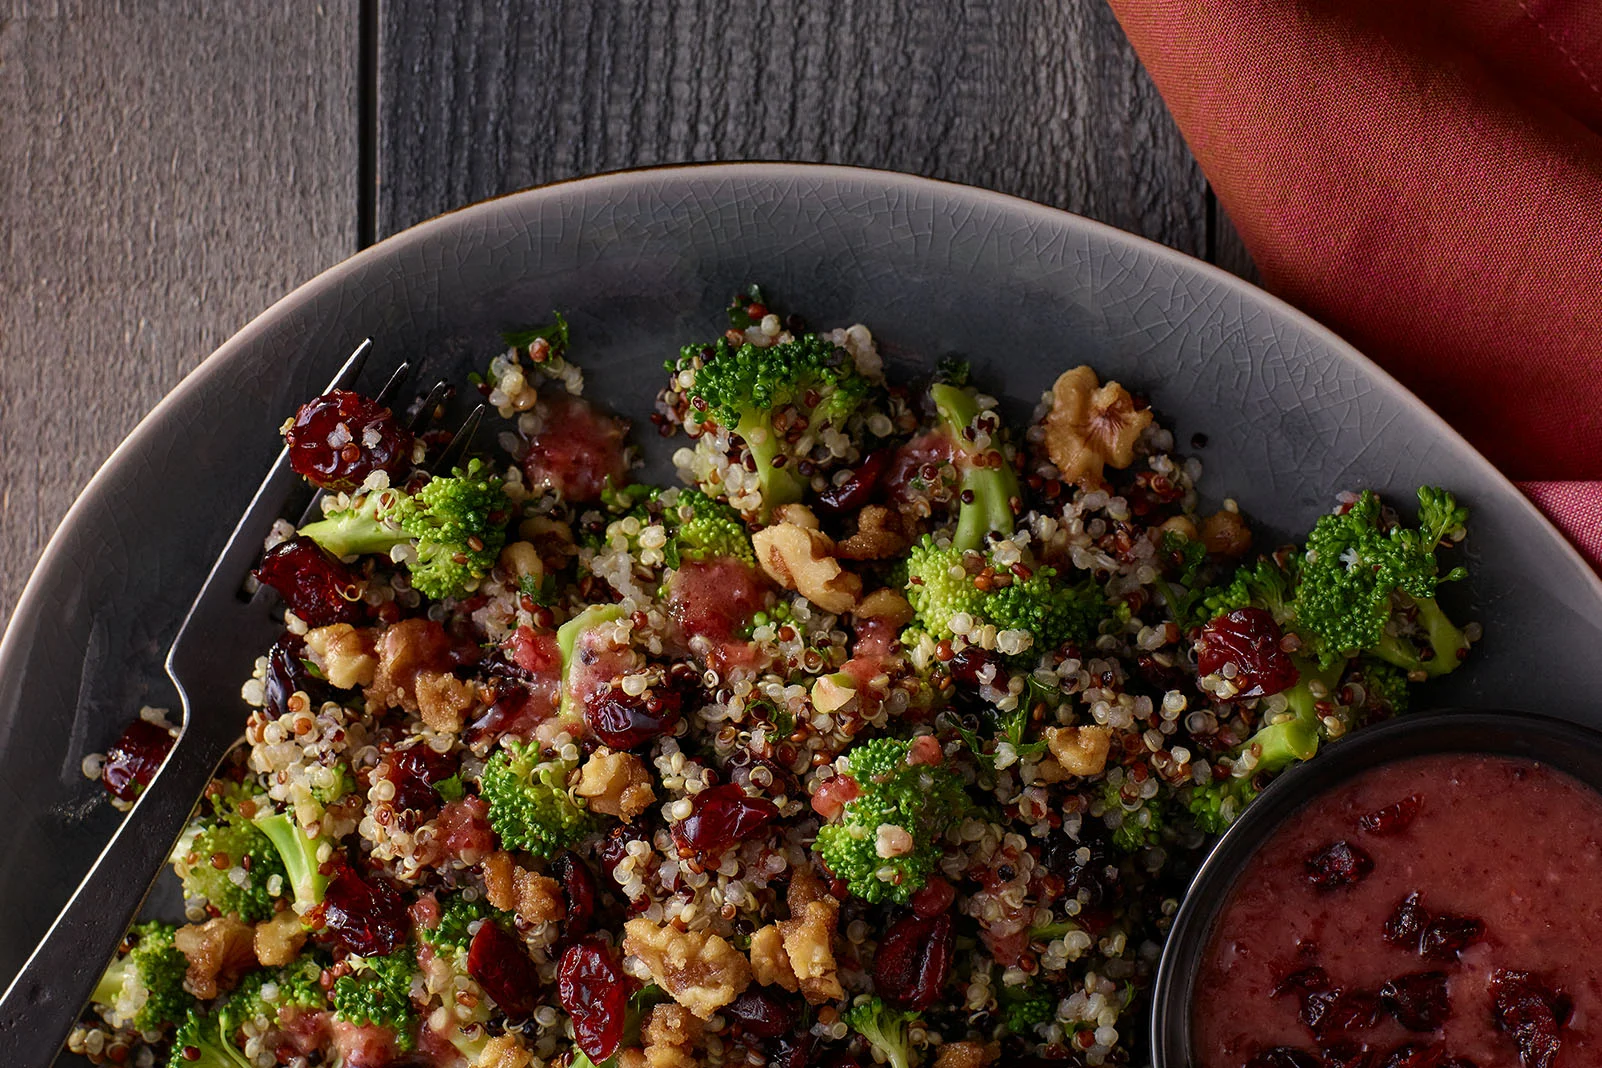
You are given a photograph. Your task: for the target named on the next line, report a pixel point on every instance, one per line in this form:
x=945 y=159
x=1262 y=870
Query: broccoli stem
x=567 y=637
x=780 y=485
x=355 y=532
x=1288 y=741
x=109 y=988
x=1445 y=638
x=993 y=489
x=299 y=854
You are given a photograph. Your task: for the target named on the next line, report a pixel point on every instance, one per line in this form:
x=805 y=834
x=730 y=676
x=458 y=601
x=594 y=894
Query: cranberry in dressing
x=1472 y=933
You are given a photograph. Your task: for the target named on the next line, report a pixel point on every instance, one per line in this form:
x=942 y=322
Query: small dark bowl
x=1559 y=744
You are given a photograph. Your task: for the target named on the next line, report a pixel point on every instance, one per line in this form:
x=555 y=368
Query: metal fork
x=220 y=638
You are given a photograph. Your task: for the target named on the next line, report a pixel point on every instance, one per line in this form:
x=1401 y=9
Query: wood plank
x=1044 y=101
x=170 y=170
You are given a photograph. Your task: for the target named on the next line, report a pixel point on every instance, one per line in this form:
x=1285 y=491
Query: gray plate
x=642 y=262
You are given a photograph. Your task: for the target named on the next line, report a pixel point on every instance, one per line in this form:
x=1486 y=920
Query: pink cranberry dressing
x=1440 y=912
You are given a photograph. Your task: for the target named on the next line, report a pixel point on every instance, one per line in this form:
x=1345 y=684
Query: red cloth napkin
x=1425 y=177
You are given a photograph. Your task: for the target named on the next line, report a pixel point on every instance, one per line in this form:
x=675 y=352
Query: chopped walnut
x=880 y=535
x=798 y=514
x=1225 y=533
x=809 y=938
x=770 y=965
x=1080 y=750
x=278 y=941
x=442 y=698
x=966 y=1055
x=698 y=969
x=803 y=560
x=670 y=1033
x=888 y=605
x=1091 y=425
x=343 y=654
x=616 y=784
x=407 y=650
x=830 y=693
x=629 y=1057
x=508 y=885
x=520 y=560
x=503 y=1051
x=219 y=952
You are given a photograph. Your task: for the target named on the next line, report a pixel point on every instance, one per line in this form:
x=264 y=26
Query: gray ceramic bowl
x=642 y=262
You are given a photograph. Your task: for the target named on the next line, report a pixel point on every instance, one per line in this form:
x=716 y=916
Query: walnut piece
x=803 y=560
x=277 y=941
x=965 y=1055
x=616 y=784
x=880 y=535
x=219 y=952
x=442 y=698
x=769 y=963
x=407 y=650
x=798 y=514
x=888 y=605
x=503 y=1051
x=508 y=885
x=1091 y=425
x=698 y=969
x=1225 y=533
x=343 y=654
x=830 y=693
x=809 y=938
x=670 y=1033
x=1080 y=750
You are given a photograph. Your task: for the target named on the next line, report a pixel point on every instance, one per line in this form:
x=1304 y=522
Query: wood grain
x=169 y=170
x=1046 y=101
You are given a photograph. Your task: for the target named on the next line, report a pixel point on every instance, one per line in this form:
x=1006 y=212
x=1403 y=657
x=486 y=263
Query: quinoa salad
x=891 y=734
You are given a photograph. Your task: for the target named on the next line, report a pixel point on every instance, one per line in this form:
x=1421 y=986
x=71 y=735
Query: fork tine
x=432 y=407
x=457 y=447
x=386 y=396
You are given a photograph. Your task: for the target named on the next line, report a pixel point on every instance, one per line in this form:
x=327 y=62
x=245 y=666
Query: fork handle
x=44 y=1001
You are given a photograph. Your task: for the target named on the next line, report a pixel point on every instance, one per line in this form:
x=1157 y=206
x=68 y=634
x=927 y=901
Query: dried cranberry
x=721 y=817
x=134 y=758
x=761 y=1013
x=340 y=438
x=594 y=990
x=1446 y=936
x=500 y=964
x=1336 y=1012
x=1345 y=1055
x=1086 y=867
x=793 y=1050
x=623 y=721
x=315 y=585
x=1313 y=978
x=914 y=959
x=611 y=850
x=578 y=887
x=1406 y=924
x=287 y=673
x=1458 y=1062
x=860 y=488
x=1532 y=1012
x=935 y=897
x=969 y=667
x=1283 y=1057
x=1393 y=818
x=367 y=917
x=1418 y=1000
x=1249 y=639
x=1338 y=864
x=414 y=772
x=1414 y=1055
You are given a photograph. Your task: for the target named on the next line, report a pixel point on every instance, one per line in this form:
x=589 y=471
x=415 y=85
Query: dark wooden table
x=168 y=168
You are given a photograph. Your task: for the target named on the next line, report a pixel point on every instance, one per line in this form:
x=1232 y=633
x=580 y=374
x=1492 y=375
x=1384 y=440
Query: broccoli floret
x=144 y=988
x=741 y=389
x=697 y=527
x=1025 y=1009
x=378 y=991
x=298 y=853
x=1385 y=685
x=454 y=528
x=1262 y=584
x=1217 y=805
x=940 y=585
x=225 y=860
x=1138 y=827
x=989 y=485
x=1357 y=574
x=207 y=1040
x=567 y=638
x=884 y=1028
x=454 y=919
x=530 y=806
x=922 y=800
x=262 y=995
